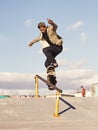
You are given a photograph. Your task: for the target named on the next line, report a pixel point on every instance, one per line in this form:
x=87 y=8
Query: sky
x=77 y=24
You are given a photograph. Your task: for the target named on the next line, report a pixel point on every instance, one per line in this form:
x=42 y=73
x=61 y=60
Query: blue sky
x=77 y=24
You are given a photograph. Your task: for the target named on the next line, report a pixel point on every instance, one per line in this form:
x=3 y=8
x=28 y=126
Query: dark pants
x=50 y=53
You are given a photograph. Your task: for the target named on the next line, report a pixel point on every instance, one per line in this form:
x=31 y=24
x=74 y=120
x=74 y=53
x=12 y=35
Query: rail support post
x=36 y=87
x=56 y=114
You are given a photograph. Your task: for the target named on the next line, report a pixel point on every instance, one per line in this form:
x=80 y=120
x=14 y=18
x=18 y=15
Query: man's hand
x=30 y=44
x=50 y=21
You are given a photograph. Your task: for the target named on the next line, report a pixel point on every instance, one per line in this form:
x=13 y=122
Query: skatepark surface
x=75 y=113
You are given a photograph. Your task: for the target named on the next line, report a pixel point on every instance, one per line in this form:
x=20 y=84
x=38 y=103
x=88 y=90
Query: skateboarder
x=51 y=43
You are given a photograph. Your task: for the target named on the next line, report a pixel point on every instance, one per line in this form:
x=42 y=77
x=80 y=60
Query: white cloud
x=63 y=62
x=76 y=25
x=10 y=80
x=77 y=74
x=73 y=75
x=84 y=37
x=73 y=79
x=67 y=79
x=78 y=64
x=28 y=22
x=15 y=77
x=70 y=64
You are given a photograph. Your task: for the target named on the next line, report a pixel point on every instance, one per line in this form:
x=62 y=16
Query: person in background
x=83 y=91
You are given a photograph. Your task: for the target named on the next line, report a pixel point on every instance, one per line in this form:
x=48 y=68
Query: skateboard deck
x=51 y=77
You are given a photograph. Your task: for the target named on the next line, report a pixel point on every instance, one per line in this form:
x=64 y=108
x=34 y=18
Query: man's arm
x=53 y=24
x=34 y=41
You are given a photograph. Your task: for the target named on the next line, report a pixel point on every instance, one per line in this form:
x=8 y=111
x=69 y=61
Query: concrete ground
x=38 y=113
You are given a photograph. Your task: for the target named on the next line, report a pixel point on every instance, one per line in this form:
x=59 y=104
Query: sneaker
x=50 y=88
x=50 y=68
x=55 y=65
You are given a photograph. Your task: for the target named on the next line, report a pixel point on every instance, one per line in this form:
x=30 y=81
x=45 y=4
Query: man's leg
x=51 y=52
x=49 y=56
x=55 y=50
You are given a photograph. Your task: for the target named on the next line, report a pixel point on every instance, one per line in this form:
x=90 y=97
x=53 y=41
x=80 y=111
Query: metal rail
x=58 y=93
x=50 y=84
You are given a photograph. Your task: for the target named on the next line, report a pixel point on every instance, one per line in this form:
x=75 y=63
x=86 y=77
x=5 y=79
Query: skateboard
x=51 y=77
